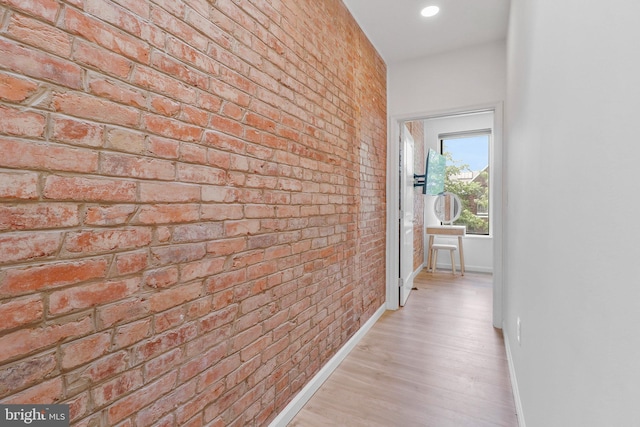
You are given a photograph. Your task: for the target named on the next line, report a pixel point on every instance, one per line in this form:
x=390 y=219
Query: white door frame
x=393 y=205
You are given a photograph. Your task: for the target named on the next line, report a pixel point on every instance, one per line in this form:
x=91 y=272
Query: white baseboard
x=514 y=381
x=308 y=391
x=469 y=268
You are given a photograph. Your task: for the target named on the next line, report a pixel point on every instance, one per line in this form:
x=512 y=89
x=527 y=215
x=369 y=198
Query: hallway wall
x=192 y=204
x=571 y=233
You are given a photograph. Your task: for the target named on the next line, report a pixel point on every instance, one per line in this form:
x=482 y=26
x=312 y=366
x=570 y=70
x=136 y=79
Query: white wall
x=451 y=81
x=573 y=150
x=478 y=250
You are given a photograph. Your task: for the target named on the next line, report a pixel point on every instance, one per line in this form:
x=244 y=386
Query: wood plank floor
x=436 y=362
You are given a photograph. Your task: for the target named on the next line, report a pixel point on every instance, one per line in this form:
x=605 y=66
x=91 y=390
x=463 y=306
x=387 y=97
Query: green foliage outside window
x=473 y=194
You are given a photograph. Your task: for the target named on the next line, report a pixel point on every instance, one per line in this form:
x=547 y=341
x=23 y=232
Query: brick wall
x=192 y=204
x=416 y=128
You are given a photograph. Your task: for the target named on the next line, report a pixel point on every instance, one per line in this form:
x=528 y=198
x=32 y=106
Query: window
x=467 y=175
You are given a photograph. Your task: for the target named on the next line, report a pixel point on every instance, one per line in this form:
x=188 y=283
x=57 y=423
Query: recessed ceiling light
x=430 y=11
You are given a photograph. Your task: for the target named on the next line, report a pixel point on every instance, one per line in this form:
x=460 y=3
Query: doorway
x=492 y=244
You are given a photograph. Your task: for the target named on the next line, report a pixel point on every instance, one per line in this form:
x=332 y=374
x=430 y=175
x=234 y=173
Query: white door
x=406 y=215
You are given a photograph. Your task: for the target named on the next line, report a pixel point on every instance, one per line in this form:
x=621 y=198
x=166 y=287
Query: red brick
x=40 y=65
x=197 y=232
x=165 y=148
x=28 y=246
x=222 y=160
x=225 y=142
x=89 y=189
x=198 y=308
x=209 y=102
x=168 y=319
x=114 y=389
x=158 y=82
x=177 y=254
x=131 y=142
x=45 y=9
x=77 y=132
x=186 y=414
x=240 y=228
x=169 y=65
x=38 y=215
x=14 y=89
x=18 y=185
x=170 y=128
x=25 y=373
x=26 y=341
x=107 y=240
x=20 y=312
x=78 y=406
x=193 y=153
x=132 y=333
x=104 y=35
x=126 y=310
x=85 y=296
x=219 y=212
x=97 y=371
x=223 y=299
x=201 y=174
x=53 y=275
x=21 y=123
x=121 y=18
x=200 y=269
x=109 y=215
x=191 y=56
x=162 y=343
x=167 y=214
x=194 y=115
x=152 y=192
x=23 y=154
x=169 y=298
x=44 y=393
x=218 y=318
x=101 y=59
x=162 y=278
x=226 y=280
x=96 y=109
x=131 y=263
x=275 y=192
x=240 y=374
x=203 y=362
x=151 y=414
x=163 y=363
x=174 y=25
x=84 y=350
x=227 y=126
x=38 y=34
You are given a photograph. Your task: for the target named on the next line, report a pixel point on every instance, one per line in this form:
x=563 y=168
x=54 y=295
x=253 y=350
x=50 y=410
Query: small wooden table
x=447 y=230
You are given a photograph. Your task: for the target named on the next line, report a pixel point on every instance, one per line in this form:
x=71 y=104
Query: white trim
x=298 y=402
x=497 y=196
x=393 y=215
x=514 y=381
x=444 y=265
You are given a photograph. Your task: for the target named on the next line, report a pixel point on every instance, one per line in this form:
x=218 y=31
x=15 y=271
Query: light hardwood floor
x=437 y=362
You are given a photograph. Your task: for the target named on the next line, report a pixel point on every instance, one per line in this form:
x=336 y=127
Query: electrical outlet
x=518 y=329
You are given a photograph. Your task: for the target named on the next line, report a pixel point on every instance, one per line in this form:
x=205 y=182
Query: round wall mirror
x=447 y=207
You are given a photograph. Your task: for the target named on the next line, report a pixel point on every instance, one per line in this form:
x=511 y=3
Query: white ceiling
x=400 y=33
